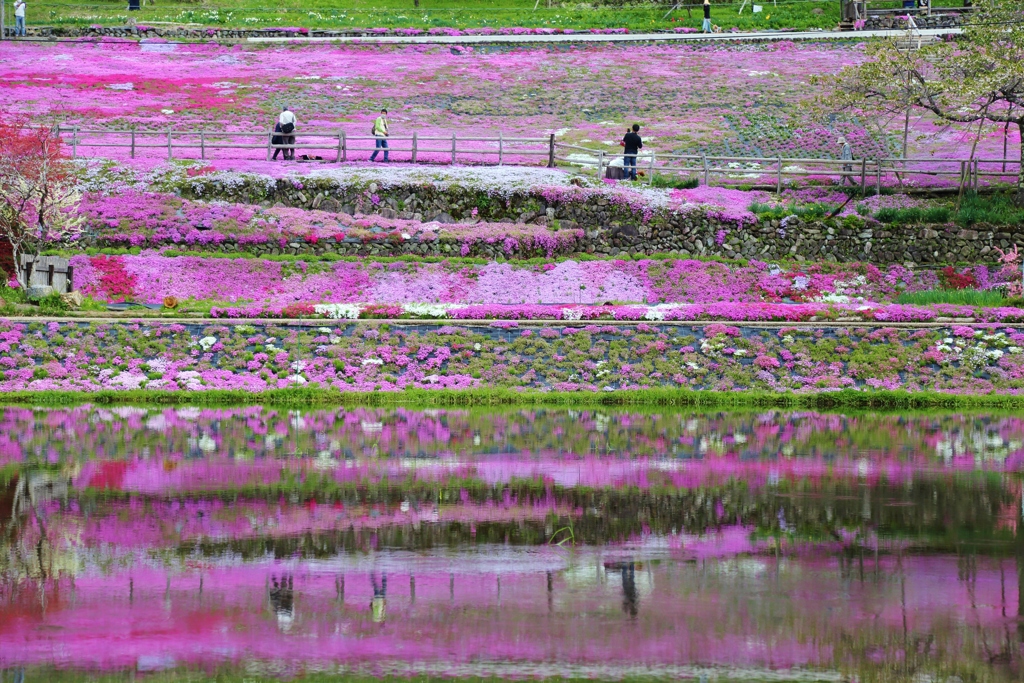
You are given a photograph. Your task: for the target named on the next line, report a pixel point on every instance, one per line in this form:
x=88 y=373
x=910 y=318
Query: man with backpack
x=287 y=122
x=632 y=144
x=380 y=132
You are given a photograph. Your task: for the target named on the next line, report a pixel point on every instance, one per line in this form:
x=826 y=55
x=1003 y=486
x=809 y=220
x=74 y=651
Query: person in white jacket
x=19 y=18
x=287 y=122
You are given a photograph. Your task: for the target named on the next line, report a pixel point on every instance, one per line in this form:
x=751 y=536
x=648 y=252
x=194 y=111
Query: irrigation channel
x=261 y=542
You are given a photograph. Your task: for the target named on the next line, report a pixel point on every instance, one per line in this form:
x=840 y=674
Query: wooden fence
x=861 y=173
x=54 y=271
x=334 y=143
x=338 y=145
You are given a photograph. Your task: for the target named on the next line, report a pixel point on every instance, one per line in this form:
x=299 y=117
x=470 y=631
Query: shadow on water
x=251 y=544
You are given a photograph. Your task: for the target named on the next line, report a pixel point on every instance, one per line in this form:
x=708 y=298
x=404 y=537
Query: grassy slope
x=801 y=14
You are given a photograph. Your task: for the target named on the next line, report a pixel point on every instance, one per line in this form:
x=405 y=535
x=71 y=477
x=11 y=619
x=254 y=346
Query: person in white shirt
x=287 y=122
x=19 y=18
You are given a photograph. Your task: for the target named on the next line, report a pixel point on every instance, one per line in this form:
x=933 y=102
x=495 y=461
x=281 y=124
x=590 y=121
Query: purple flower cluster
x=390 y=357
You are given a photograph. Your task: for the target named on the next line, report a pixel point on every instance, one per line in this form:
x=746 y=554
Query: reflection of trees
x=934 y=513
x=29 y=552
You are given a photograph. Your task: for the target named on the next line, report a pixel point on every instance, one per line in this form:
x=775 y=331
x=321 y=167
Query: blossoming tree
x=977 y=79
x=38 y=190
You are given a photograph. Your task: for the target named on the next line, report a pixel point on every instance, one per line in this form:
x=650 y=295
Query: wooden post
x=270 y=140
x=415 y=146
x=133 y=143
x=600 y=166
x=344 y=146
x=453 y=149
x=878 y=177
x=778 y=177
x=863 y=176
x=501 y=147
x=202 y=144
x=71 y=274
x=74 y=142
x=551 y=151
x=704 y=158
x=29 y=266
x=341 y=133
x=49 y=275
x=650 y=180
x=170 y=153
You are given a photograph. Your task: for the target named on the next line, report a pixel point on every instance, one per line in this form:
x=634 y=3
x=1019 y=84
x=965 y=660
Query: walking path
x=614 y=37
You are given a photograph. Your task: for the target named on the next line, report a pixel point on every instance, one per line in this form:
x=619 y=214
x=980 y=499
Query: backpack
x=287 y=128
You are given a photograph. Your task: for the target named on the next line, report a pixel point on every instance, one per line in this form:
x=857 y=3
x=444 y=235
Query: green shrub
x=675 y=182
x=998 y=209
x=52 y=304
x=964 y=297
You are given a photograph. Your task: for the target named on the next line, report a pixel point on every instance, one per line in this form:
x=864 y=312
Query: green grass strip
x=874 y=400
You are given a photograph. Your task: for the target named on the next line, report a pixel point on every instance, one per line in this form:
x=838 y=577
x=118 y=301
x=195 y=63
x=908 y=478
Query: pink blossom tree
x=38 y=189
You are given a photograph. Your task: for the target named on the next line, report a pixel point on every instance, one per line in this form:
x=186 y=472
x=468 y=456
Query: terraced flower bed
x=364 y=357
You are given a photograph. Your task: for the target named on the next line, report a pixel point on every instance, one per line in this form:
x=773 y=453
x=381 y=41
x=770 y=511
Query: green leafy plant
x=964 y=297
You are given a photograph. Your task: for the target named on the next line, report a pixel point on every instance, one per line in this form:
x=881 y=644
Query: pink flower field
x=735 y=100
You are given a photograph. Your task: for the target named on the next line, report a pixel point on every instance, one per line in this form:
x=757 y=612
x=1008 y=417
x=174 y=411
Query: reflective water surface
x=259 y=543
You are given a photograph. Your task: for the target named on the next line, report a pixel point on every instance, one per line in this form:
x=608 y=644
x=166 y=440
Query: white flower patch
x=297 y=379
x=207 y=342
x=428 y=310
x=372 y=361
x=339 y=311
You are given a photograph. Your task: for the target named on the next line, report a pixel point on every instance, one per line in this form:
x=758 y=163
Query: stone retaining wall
x=612 y=228
x=229 y=34
x=895 y=21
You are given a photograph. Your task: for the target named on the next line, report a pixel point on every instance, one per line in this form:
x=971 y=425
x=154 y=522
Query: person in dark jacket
x=278 y=139
x=706 y=27
x=632 y=144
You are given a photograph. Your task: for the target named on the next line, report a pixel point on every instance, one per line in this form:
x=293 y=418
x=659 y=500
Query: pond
x=260 y=543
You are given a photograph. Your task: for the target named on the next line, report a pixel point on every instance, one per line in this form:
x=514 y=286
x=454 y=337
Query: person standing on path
x=19 y=18
x=632 y=144
x=846 y=154
x=380 y=132
x=706 y=27
x=287 y=122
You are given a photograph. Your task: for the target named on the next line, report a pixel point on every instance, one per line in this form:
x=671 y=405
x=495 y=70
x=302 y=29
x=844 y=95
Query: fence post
x=344 y=146
x=202 y=144
x=600 y=165
x=878 y=177
x=29 y=267
x=74 y=142
x=778 y=178
x=49 y=275
x=270 y=140
x=704 y=159
x=133 y=143
x=651 y=179
x=453 y=149
x=337 y=160
x=501 y=147
x=415 y=146
x=551 y=151
x=170 y=154
x=863 y=176
x=976 y=161
x=71 y=274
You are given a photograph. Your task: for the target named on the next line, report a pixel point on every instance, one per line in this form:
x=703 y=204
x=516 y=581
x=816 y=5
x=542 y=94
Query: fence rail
x=861 y=173
x=337 y=144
